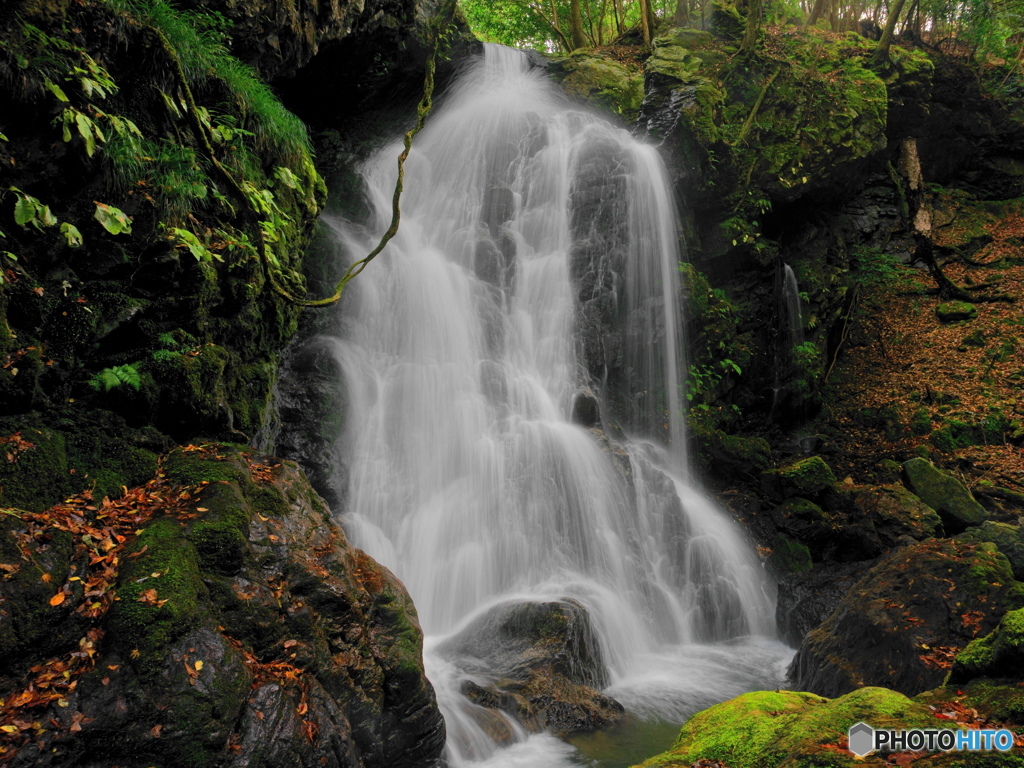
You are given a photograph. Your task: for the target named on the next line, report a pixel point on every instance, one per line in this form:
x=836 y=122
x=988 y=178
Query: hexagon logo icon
x=861 y=738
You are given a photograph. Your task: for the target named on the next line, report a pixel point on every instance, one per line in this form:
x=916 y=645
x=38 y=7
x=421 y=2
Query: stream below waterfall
x=534 y=232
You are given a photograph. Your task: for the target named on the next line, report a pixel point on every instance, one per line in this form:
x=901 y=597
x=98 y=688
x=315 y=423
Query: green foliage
x=185 y=239
x=199 y=41
x=114 y=378
x=29 y=211
x=114 y=220
x=171 y=173
x=872 y=268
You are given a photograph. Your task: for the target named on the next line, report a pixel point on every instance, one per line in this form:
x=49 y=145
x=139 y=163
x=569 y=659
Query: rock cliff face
x=158 y=201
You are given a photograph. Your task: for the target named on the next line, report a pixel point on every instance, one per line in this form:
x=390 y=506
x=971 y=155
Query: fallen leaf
x=57 y=599
x=199 y=666
x=155 y=731
x=135 y=653
x=290 y=643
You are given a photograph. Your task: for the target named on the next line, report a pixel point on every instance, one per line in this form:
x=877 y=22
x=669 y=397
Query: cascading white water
x=794 y=314
x=467 y=477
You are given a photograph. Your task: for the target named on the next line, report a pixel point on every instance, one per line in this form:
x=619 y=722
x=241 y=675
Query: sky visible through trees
x=990 y=29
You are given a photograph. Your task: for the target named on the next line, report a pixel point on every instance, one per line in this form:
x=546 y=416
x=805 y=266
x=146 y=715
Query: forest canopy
x=966 y=28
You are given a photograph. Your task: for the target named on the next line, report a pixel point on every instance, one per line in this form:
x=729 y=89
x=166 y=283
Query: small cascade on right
x=794 y=315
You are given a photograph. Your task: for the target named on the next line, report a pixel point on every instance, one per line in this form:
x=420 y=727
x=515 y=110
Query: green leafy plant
x=183 y=238
x=29 y=211
x=114 y=220
x=116 y=377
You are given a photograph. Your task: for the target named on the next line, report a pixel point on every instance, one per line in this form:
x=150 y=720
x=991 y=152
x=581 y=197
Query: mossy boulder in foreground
x=227 y=622
x=787 y=729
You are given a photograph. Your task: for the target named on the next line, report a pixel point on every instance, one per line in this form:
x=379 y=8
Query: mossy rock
x=943 y=493
x=997 y=701
x=935 y=594
x=789 y=556
x=998 y=654
x=730 y=454
x=160 y=559
x=787 y=729
x=37 y=475
x=806 y=477
x=1009 y=538
x=896 y=512
x=601 y=81
x=955 y=311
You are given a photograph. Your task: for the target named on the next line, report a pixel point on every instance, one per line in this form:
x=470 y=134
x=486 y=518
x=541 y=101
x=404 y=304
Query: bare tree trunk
x=921 y=215
x=645 y=20
x=617 y=10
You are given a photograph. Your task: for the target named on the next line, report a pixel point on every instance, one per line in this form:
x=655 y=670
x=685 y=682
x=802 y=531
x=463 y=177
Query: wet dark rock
x=586 y=410
x=807 y=599
x=915 y=604
x=312 y=409
x=540 y=663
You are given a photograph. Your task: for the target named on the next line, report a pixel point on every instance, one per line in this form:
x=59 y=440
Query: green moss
x=998 y=654
x=1008 y=538
x=789 y=556
x=601 y=81
x=953 y=311
x=974 y=339
x=766 y=729
x=38 y=477
x=221 y=537
x=148 y=628
x=211 y=465
x=943 y=493
x=807 y=477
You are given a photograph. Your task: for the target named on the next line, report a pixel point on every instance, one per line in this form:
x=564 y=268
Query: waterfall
x=462 y=355
x=794 y=314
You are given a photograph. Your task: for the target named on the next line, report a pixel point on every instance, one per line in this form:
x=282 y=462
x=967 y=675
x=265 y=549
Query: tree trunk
x=682 y=17
x=645 y=20
x=752 y=31
x=579 y=40
x=880 y=58
x=816 y=11
x=921 y=217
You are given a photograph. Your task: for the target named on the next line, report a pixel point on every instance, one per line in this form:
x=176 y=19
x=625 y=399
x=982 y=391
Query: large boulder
x=787 y=729
x=901 y=623
x=998 y=654
x=1009 y=538
x=807 y=599
x=943 y=493
x=215 y=616
x=540 y=663
x=897 y=514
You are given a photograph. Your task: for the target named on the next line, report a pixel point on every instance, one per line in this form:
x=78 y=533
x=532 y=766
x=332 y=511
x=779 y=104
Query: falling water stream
x=794 y=315
x=467 y=476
